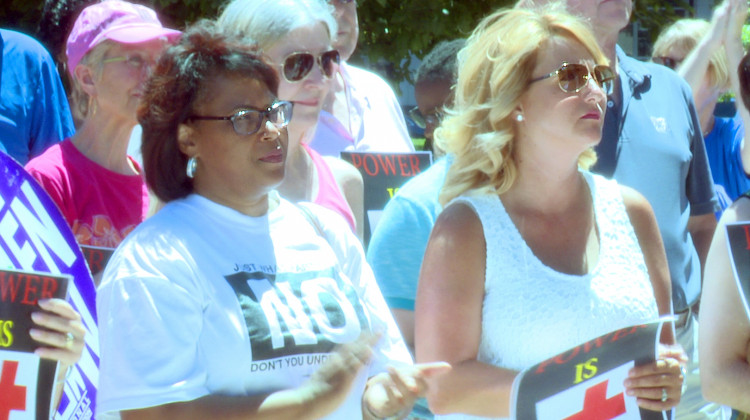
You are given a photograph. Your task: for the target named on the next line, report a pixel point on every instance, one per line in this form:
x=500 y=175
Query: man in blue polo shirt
x=652 y=142
x=34 y=110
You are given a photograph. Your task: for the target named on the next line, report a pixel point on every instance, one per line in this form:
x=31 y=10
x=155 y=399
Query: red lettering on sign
x=389 y=166
x=596 y=406
x=95 y=258
x=371 y=165
x=49 y=287
x=414 y=160
x=9 y=285
x=403 y=165
x=597 y=342
x=356 y=160
x=30 y=287
x=12 y=396
x=27 y=287
x=559 y=360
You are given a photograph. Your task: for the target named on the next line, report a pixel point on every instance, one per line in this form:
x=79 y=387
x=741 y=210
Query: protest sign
x=383 y=174
x=586 y=382
x=26 y=381
x=34 y=237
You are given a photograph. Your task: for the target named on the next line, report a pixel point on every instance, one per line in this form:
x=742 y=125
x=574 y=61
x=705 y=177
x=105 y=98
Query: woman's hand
x=658 y=385
x=331 y=383
x=719 y=23
x=737 y=14
x=393 y=393
x=61 y=331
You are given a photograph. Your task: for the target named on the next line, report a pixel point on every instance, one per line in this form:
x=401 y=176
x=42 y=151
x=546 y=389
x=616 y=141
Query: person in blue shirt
x=398 y=243
x=704 y=53
x=34 y=110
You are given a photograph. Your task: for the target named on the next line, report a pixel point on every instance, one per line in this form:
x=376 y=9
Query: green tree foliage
x=391 y=31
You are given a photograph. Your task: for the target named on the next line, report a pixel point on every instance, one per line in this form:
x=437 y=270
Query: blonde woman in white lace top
x=533 y=254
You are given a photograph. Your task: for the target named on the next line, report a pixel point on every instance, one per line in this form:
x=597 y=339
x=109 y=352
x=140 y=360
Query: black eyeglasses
x=670 y=62
x=248 y=121
x=297 y=66
x=574 y=77
x=422 y=121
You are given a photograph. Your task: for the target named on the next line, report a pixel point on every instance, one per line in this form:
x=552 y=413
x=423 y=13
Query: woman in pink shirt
x=99 y=188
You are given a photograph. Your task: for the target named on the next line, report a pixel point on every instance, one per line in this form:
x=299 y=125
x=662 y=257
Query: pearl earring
x=519 y=117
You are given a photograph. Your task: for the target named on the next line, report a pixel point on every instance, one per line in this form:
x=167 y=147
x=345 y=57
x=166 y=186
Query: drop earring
x=192 y=164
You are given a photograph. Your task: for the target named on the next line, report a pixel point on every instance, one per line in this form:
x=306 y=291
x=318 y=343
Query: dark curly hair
x=204 y=51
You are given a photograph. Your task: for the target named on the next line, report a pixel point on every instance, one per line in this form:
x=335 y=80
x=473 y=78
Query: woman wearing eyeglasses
x=232 y=302
x=295 y=36
x=532 y=254
x=99 y=188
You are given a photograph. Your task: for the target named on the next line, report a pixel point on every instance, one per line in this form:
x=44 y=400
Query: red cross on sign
x=596 y=406
x=12 y=396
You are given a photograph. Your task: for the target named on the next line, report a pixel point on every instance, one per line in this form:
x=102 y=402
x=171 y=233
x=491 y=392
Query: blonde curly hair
x=494 y=70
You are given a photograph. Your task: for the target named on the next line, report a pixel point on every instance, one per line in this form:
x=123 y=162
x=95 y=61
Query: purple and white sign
x=35 y=237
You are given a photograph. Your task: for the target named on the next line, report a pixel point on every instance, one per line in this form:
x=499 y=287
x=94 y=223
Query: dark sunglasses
x=297 y=66
x=574 y=77
x=422 y=121
x=667 y=61
x=248 y=121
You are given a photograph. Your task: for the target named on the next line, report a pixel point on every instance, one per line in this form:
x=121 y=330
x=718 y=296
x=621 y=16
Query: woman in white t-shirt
x=232 y=302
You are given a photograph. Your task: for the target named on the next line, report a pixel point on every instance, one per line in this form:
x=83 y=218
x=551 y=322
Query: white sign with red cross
x=18 y=382
x=600 y=398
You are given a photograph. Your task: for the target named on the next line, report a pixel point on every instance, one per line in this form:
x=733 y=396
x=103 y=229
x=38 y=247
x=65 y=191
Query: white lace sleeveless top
x=532 y=312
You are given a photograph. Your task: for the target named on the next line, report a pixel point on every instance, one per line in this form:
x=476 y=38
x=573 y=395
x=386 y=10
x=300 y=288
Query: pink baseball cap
x=119 y=21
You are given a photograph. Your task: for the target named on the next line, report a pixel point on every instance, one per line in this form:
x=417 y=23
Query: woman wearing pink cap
x=97 y=186
x=99 y=189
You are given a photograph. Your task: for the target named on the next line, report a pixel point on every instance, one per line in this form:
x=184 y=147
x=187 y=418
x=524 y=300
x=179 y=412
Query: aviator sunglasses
x=297 y=66
x=248 y=121
x=574 y=77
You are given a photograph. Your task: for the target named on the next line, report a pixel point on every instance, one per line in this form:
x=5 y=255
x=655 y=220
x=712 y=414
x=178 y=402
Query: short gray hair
x=267 y=21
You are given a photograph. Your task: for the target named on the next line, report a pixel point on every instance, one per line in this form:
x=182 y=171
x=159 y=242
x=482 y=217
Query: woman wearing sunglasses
x=532 y=254
x=705 y=53
x=232 y=302
x=295 y=36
